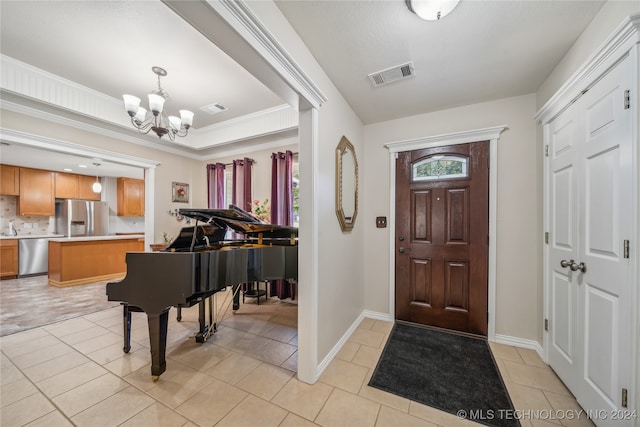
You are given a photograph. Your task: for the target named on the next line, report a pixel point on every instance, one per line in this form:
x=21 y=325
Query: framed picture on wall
x=179 y=192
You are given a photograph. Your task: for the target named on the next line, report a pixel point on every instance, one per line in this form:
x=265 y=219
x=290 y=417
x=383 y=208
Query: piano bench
x=249 y=291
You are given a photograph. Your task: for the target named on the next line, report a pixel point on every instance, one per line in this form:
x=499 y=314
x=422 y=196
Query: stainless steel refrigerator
x=82 y=218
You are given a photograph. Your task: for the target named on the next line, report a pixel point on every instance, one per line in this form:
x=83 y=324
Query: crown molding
x=612 y=50
x=240 y=17
x=99 y=130
x=52 y=144
x=265 y=122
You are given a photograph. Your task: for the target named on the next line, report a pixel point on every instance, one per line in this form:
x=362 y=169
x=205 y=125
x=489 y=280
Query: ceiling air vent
x=214 y=108
x=392 y=74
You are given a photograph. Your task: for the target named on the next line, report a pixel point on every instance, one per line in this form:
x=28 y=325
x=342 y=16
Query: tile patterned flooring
x=74 y=372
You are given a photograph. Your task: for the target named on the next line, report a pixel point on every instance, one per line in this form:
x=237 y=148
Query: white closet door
x=590 y=203
x=563 y=140
x=605 y=222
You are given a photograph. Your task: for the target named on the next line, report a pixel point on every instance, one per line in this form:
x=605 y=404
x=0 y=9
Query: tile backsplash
x=24 y=225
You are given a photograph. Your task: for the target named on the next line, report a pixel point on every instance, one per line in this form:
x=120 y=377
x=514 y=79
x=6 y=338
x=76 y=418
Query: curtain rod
x=253 y=161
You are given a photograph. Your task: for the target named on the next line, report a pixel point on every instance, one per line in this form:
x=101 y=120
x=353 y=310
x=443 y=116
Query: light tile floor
x=75 y=373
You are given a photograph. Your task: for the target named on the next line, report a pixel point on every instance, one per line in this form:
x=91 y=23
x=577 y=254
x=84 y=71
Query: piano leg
x=200 y=336
x=158 y=340
x=126 y=322
x=206 y=329
x=236 y=297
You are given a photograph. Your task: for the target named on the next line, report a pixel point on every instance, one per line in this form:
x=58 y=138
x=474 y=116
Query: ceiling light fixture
x=432 y=10
x=97 y=187
x=157 y=121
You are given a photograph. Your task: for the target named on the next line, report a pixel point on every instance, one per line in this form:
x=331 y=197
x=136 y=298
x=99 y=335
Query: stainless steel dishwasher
x=33 y=256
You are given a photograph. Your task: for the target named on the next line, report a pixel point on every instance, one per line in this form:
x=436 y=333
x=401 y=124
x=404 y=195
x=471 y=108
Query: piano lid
x=241 y=222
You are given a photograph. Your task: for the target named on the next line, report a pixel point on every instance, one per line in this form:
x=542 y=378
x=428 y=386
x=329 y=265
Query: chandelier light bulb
x=131 y=104
x=156 y=103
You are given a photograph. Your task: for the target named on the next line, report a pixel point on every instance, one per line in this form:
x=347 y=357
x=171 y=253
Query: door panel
x=442 y=248
x=601 y=351
x=563 y=332
x=421 y=275
x=421 y=217
x=456 y=286
x=457 y=212
x=602 y=201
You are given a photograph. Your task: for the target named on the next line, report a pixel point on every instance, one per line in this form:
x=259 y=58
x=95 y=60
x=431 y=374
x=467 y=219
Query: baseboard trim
x=376 y=315
x=499 y=338
x=345 y=337
x=520 y=342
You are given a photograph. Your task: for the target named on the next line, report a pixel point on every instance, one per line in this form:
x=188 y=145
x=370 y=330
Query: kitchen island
x=81 y=260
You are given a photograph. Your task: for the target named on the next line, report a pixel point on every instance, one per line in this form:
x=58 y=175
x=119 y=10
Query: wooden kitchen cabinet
x=9 y=180
x=66 y=186
x=8 y=258
x=74 y=186
x=130 y=197
x=85 y=187
x=37 y=192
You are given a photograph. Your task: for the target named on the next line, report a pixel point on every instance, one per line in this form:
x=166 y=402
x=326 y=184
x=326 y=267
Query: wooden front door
x=442 y=236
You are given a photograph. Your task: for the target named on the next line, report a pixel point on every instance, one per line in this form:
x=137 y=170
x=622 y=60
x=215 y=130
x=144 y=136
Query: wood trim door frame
x=492 y=135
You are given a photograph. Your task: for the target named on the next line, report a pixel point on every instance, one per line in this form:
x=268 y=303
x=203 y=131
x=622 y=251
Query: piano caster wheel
x=126 y=349
x=199 y=338
x=155 y=378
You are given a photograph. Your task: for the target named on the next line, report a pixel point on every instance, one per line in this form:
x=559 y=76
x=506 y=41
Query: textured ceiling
x=483 y=50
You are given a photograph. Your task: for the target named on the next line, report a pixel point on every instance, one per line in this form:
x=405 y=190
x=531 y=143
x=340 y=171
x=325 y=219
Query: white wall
x=517 y=309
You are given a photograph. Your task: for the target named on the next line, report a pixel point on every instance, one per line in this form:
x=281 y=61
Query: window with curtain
x=216 y=185
x=241 y=196
x=282 y=212
x=282 y=188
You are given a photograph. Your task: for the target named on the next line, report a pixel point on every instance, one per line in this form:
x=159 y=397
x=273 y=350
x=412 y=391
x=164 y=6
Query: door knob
x=564 y=263
x=402 y=250
x=401 y=238
x=575 y=267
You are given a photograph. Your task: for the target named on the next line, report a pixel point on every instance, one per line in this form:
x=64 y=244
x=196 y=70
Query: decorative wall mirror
x=346 y=184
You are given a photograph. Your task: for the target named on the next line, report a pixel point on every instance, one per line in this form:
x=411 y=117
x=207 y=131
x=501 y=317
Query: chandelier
x=157 y=121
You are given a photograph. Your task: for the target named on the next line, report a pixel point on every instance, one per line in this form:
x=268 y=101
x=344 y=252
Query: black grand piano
x=201 y=261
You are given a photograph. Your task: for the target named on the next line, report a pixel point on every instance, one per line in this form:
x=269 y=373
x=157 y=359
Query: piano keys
x=198 y=263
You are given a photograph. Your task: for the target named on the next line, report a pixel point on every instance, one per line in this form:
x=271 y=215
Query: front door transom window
x=441 y=167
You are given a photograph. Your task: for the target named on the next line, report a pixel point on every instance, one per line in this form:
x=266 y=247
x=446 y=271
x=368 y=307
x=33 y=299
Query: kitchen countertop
x=32 y=236
x=95 y=238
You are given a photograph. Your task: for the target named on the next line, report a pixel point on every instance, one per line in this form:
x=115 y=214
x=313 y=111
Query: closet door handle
x=575 y=267
x=564 y=263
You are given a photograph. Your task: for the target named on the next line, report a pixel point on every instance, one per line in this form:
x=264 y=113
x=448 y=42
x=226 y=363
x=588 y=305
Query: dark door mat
x=451 y=372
